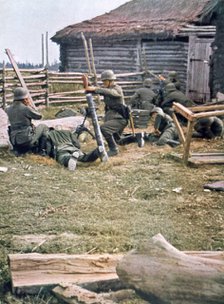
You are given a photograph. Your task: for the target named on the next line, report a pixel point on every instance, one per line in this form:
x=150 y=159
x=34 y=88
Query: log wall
x=159 y=56
x=121 y=57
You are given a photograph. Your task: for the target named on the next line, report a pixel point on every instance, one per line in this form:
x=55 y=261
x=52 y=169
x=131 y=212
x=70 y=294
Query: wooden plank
x=183 y=111
x=209 y=159
x=206 y=108
x=34 y=269
x=202 y=159
x=19 y=75
x=188 y=141
x=74 y=294
x=208 y=114
x=179 y=129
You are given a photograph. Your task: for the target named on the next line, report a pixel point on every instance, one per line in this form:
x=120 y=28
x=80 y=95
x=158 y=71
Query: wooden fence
x=56 y=88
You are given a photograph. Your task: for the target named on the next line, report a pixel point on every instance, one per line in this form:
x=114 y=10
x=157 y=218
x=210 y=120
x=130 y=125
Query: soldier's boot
x=173 y=143
x=113 y=149
x=73 y=161
x=140 y=139
x=42 y=145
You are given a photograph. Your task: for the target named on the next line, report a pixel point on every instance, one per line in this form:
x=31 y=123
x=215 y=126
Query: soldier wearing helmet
x=173 y=95
x=144 y=97
x=164 y=129
x=173 y=78
x=116 y=116
x=208 y=127
x=23 y=134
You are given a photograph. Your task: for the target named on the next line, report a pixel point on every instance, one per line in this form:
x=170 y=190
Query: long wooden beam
x=179 y=129
x=19 y=75
x=206 y=108
x=186 y=112
x=208 y=114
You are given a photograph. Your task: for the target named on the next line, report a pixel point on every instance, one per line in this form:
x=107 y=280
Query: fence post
x=47 y=87
x=3 y=86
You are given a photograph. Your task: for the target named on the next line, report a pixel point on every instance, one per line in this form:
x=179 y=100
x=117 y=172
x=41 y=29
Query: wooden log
x=163 y=274
x=187 y=142
x=206 y=108
x=208 y=114
x=34 y=269
x=19 y=75
x=74 y=294
x=186 y=112
x=179 y=129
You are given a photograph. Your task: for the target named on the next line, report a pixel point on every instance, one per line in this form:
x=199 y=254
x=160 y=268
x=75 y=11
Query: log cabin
x=162 y=36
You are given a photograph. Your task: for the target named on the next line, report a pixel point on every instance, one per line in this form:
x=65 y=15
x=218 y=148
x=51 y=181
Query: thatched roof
x=141 y=18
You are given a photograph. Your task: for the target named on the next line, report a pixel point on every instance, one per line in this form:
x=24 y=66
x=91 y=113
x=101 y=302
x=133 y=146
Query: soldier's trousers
x=63 y=156
x=40 y=130
x=169 y=133
x=111 y=127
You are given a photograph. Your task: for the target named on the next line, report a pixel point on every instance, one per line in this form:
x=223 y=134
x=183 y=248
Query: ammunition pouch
x=123 y=110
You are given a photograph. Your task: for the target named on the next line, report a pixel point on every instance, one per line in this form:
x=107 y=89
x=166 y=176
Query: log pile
x=157 y=272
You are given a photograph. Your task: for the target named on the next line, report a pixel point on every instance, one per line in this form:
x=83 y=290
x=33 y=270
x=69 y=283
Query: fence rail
x=50 y=88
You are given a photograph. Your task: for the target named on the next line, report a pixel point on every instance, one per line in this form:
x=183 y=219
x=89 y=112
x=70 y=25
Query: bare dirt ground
x=107 y=207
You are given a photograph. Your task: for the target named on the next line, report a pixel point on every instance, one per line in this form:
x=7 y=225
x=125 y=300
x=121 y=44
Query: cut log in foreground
x=33 y=270
x=165 y=275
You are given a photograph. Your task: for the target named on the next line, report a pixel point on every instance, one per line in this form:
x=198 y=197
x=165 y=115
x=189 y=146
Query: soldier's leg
x=167 y=136
x=89 y=157
x=68 y=158
x=39 y=139
x=40 y=130
x=108 y=129
x=217 y=127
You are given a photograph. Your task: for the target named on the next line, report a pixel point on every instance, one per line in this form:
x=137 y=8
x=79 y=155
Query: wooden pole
x=94 y=67
x=92 y=61
x=42 y=49
x=179 y=129
x=47 y=87
x=19 y=75
x=187 y=143
x=47 y=58
x=86 y=53
x=3 y=86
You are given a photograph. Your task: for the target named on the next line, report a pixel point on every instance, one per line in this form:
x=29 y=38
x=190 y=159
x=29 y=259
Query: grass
x=107 y=207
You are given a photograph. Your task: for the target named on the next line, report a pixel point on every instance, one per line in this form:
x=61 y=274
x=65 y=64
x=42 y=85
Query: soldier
x=63 y=145
x=143 y=98
x=164 y=129
x=174 y=95
x=24 y=136
x=116 y=112
x=208 y=127
x=173 y=78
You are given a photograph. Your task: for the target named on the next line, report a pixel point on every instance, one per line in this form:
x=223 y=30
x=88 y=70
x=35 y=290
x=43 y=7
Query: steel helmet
x=156 y=110
x=170 y=87
x=147 y=82
x=20 y=93
x=108 y=75
x=172 y=74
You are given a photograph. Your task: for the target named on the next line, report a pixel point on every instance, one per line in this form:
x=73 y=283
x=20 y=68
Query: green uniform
x=61 y=144
x=143 y=99
x=115 y=113
x=176 y=96
x=208 y=127
x=22 y=132
x=164 y=123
